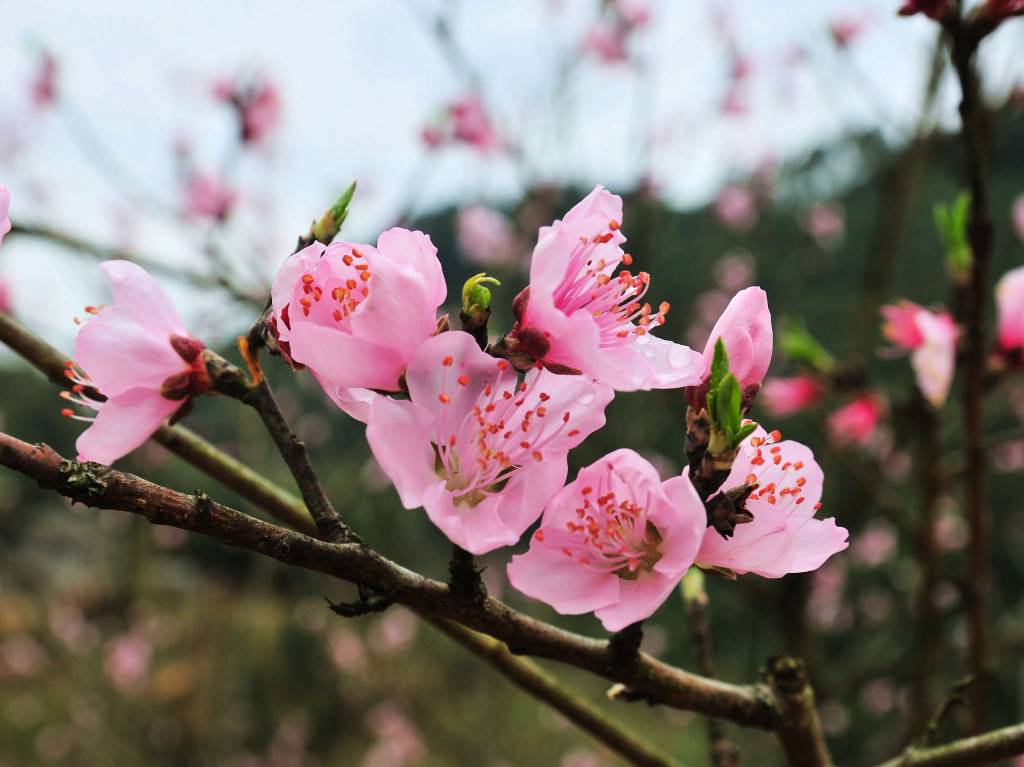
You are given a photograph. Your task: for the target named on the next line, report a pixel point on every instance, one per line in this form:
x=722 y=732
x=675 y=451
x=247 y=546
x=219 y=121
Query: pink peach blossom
x=933 y=9
x=1010 y=309
x=5 y=204
x=745 y=328
x=615 y=542
x=206 y=196
x=784 y=536
x=736 y=207
x=1018 y=216
x=137 y=354
x=257 y=103
x=875 y=545
x=857 y=421
x=485 y=236
x=634 y=13
x=826 y=224
x=931 y=338
x=44 y=83
x=481 y=454
x=786 y=396
x=354 y=314
x=606 y=41
x=472 y=125
x=846 y=29
x=579 y=315
x=127 y=661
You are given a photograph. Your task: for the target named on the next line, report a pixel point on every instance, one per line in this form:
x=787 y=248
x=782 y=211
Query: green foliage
x=475 y=295
x=801 y=347
x=725 y=405
x=327 y=228
x=951 y=223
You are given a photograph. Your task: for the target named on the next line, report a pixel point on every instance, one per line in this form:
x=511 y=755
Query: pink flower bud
x=786 y=396
x=746 y=329
x=857 y=421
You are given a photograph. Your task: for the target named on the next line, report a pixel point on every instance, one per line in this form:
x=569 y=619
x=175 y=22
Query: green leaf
x=330 y=223
x=475 y=294
x=951 y=225
x=801 y=347
x=719 y=365
x=745 y=431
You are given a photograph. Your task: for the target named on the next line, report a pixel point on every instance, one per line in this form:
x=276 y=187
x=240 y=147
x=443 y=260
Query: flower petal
x=123 y=423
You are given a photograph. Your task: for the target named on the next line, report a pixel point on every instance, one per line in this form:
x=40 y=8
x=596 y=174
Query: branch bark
x=984 y=749
x=655 y=681
x=799 y=728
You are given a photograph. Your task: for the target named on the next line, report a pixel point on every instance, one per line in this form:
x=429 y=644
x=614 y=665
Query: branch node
x=624 y=648
x=464 y=580
x=84 y=482
x=369 y=602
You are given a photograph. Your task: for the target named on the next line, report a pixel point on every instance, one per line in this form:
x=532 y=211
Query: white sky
x=359 y=78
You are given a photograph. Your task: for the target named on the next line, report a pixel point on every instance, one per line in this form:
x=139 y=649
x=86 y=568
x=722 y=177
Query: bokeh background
x=799 y=146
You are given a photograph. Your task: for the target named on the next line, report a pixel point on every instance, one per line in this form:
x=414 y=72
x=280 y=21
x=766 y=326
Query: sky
x=359 y=78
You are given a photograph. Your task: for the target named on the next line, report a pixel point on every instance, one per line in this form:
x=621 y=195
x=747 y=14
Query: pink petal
x=934 y=361
x=123 y=423
x=683 y=520
x=746 y=329
x=1010 y=305
x=399 y=434
x=637 y=600
x=5 y=222
x=133 y=287
x=545 y=573
x=344 y=359
x=478 y=529
x=120 y=350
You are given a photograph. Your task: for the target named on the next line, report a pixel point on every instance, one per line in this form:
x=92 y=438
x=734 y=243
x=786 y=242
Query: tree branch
x=108 y=488
x=799 y=728
x=530 y=677
x=984 y=749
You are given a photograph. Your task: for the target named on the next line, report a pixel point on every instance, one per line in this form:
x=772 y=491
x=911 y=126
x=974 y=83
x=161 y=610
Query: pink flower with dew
x=472 y=125
x=1010 y=309
x=786 y=396
x=139 y=356
x=479 y=452
x=5 y=205
x=354 y=314
x=207 y=197
x=784 y=536
x=578 y=314
x=485 y=236
x=857 y=421
x=1018 y=216
x=736 y=208
x=606 y=41
x=826 y=224
x=745 y=328
x=934 y=361
x=614 y=542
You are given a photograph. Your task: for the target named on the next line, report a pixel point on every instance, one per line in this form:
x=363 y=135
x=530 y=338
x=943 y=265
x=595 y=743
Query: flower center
x=333 y=298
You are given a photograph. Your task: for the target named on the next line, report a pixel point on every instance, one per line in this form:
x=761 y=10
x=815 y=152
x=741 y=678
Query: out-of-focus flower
x=786 y=396
x=472 y=125
x=127 y=660
x=784 y=536
x=875 y=545
x=393 y=632
x=736 y=207
x=207 y=197
x=931 y=338
x=745 y=328
x=479 y=452
x=5 y=206
x=22 y=655
x=485 y=236
x=634 y=13
x=399 y=742
x=6 y=305
x=614 y=542
x=1018 y=216
x=347 y=650
x=354 y=314
x=933 y=9
x=44 y=82
x=577 y=314
x=1010 y=309
x=137 y=354
x=257 y=103
x=857 y=421
x=845 y=29
x=826 y=223
x=606 y=41
x=879 y=696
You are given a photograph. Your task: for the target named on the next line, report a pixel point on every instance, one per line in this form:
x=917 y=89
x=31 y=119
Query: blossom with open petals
x=931 y=339
x=784 y=536
x=481 y=453
x=354 y=314
x=582 y=313
x=615 y=542
x=139 y=356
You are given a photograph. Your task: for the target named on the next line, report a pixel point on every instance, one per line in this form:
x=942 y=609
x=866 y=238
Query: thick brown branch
x=107 y=488
x=984 y=749
x=541 y=685
x=799 y=728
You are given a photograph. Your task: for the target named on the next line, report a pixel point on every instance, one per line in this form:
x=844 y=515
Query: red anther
x=664 y=306
x=565 y=417
x=798 y=465
x=613 y=225
x=447 y=361
x=541 y=412
x=78 y=388
x=574 y=432
x=347 y=260
x=502 y=365
x=364 y=276
x=357 y=253
x=67 y=412
x=337 y=315
x=602 y=238
x=775 y=436
x=817 y=506
x=351 y=284
x=539 y=535
x=463 y=380
x=444 y=398
x=587 y=490
x=627 y=259
x=307 y=279
x=751 y=479
x=641 y=331
x=544 y=396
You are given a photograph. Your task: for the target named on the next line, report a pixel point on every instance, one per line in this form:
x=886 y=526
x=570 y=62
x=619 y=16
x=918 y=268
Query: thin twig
x=528 y=676
x=980 y=750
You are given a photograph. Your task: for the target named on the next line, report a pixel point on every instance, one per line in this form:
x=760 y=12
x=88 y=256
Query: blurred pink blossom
x=1010 y=309
x=207 y=197
x=257 y=103
x=472 y=125
x=847 y=28
x=786 y=396
x=826 y=223
x=879 y=696
x=485 y=236
x=931 y=338
x=347 y=650
x=875 y=545
x=736 y=207
x=857 y=421
x=734 y=271
x=399 y=742
x=127 y=660
x=1018 y=216
x=5 y=205
x=606 y=41
x=44 y=83
x=22 y=655
x=393 y=632
x=634 y=13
